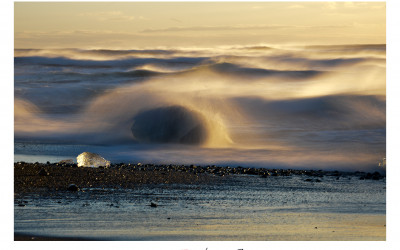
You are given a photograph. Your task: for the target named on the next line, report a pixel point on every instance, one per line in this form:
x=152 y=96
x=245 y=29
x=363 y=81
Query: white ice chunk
x=87 y=159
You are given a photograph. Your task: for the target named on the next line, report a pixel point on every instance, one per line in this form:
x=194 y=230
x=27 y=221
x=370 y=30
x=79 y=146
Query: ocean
x=299 y=107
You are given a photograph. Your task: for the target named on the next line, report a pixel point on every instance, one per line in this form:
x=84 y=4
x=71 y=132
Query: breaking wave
x=310 y=106
x=174 y=124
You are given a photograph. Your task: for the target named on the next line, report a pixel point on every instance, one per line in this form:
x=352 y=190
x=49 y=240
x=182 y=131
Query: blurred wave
x=293 y=106
x=173 y=124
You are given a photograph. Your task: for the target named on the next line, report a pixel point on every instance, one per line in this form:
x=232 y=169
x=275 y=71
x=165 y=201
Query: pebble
x=43 y=172
x=29 y=172
x=73 y=188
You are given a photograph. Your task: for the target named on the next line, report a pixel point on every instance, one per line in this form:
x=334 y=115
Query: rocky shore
x=34 y=177
x=61 y=201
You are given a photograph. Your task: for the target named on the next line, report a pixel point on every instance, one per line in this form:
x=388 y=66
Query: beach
x=171 y=202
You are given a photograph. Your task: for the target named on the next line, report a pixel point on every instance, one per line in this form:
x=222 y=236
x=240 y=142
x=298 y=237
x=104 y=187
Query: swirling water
x=321 y=107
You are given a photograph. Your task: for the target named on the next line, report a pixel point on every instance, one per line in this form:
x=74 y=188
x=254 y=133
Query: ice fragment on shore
x=87 y=159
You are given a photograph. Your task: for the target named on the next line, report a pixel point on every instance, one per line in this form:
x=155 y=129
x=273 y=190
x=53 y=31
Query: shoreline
x=34 y=177
x=137 y=202
x=35 y=237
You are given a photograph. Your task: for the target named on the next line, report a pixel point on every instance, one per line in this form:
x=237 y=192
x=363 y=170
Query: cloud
x=176 y=20
x=108 y=16
x=330 y=5
x=41 y=34
x=238 y=27
x=296 y=6
x=214 y=28
x=354 y=5
x=71 y=38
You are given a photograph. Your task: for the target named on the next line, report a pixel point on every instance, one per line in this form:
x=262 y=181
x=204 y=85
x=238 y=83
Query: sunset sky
x=202 y=24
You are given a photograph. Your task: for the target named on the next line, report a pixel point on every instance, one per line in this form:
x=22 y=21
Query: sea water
x=233 y=207
x=320 y=107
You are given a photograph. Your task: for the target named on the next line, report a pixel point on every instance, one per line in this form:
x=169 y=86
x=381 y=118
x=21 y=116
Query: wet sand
x=44 y=199
x=302 y=227
x=30 y=237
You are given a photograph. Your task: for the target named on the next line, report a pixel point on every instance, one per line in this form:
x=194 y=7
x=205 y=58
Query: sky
x=126 y=25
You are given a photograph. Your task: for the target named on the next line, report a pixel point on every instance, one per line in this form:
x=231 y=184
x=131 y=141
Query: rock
x=67 y=161
x=43 y=172
x=153 y=204
x=376 y=176
x=73 y=188
x=87 y=159
x=265 y=174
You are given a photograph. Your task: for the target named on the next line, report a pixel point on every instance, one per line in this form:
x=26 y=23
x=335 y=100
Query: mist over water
x=321 y=107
